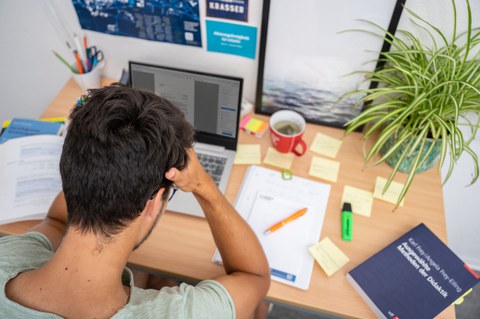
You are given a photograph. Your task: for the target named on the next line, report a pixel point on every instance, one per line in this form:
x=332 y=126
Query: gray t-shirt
x=208 y=299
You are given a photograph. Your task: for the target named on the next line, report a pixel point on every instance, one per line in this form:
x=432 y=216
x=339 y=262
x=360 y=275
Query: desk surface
x=182 y=246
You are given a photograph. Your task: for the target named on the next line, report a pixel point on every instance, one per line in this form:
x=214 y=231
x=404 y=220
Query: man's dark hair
x=119 y=144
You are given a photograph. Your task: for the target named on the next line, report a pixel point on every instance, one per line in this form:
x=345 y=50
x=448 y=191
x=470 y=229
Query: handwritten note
x=275 y=158
x=391 y=195
x=247 y=154
x=326 y=145
x=360 y=199
x=328 y=256
x=324 y=168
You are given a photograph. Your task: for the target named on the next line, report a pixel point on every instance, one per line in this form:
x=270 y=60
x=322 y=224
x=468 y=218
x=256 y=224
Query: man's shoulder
x=25 y=251
x=28 y=239
x=208 y=299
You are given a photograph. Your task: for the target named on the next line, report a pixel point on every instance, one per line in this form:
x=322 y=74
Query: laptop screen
x=211 y=102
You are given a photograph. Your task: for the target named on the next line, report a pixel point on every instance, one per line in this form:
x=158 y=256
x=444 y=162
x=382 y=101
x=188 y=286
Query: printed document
x=29 y=167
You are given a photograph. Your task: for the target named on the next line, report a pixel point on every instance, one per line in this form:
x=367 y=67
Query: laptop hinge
x=209 y=147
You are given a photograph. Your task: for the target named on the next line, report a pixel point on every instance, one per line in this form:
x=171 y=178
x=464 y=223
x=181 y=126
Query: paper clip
x=286 y=175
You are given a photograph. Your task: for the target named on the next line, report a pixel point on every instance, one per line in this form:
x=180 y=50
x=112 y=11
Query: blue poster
x=231 y=38
x=228 y=9
x=173 y=21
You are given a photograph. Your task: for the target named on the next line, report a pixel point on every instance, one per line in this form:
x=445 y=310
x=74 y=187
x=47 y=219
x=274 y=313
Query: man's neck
x=90 y=255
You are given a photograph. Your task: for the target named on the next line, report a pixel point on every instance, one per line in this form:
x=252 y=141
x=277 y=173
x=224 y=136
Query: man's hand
x=193 y=178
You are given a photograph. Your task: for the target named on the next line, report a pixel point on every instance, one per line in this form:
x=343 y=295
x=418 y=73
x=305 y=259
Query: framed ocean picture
x=311 y=52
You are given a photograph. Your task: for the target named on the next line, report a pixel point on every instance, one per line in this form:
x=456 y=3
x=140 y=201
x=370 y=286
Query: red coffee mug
x=286 y=131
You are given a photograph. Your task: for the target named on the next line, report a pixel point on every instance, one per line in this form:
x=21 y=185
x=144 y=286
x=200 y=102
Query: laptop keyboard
x=213 y=165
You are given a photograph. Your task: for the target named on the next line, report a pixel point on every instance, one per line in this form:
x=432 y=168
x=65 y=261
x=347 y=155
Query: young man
x=123 y=150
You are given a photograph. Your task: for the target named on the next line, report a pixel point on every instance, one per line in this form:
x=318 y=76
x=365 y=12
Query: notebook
x=212 y=104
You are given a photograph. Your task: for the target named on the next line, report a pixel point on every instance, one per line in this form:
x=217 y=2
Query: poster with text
x=228 y=9
x=173 y=21
x=231 y=38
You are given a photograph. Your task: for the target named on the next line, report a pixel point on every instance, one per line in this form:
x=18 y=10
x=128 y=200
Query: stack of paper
x=265 y=199
x=253 y=126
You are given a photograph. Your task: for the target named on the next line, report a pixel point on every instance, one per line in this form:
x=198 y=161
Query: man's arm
x=248 y=273
x=55 y=223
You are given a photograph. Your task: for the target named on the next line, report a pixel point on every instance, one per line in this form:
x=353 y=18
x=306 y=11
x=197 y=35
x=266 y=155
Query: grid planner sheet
x=264 y=199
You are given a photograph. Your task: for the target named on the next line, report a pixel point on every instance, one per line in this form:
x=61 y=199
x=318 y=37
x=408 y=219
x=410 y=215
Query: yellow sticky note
x=275 y=158
x=326 y=145
x=391 y=195
x=247 y=154
x=328 y=256
x=324 y=168
x=253 y=125
x=360 y=199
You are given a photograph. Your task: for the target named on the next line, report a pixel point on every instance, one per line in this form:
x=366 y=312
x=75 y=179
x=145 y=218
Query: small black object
x=347 y=207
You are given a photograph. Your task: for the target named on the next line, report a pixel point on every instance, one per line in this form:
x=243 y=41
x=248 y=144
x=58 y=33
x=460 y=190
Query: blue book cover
x=24 y=127
x=416 y=276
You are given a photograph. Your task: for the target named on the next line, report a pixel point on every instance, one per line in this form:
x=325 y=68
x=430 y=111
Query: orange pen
x=287 y=220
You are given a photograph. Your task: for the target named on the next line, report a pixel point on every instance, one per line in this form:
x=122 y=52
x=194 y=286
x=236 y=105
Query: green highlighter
x=347 y=222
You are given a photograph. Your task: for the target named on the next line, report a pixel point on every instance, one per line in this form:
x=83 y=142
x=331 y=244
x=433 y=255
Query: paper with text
x=392 y=194
x=282 y=248
x=29 y=167
x=247 y=154
x=275 y=158
x=328 y=256
x=324 y=168
x=361 y=200
x=326 y=145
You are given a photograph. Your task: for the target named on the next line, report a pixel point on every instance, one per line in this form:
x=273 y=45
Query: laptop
x=212 y=104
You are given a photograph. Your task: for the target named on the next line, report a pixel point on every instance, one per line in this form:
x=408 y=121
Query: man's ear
x=153 y=205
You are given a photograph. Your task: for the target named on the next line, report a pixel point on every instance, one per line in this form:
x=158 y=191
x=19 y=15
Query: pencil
x=64 y=62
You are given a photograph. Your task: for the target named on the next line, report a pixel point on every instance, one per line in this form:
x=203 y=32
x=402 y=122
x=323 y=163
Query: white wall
x=461 y=201
x=28 y=35
x=32 y=76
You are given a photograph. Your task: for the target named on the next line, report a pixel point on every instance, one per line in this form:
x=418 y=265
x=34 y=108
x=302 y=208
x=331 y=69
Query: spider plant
x=424 y=95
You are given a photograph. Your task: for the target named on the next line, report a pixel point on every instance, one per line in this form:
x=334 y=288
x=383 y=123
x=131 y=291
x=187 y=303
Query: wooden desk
x=182 y=246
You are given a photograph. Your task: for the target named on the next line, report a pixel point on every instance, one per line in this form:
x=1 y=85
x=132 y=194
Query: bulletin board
x=310 y=51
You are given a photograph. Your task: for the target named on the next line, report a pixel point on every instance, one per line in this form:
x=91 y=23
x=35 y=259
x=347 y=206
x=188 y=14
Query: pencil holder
x=90 y=80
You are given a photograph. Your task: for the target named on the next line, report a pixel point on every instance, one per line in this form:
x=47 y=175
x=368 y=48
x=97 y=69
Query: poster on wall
x=173 y=21
x=231 y=38
x=307 y=60
x=228 y=9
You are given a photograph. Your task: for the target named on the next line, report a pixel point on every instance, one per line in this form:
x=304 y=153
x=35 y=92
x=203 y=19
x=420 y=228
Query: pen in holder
x=89 y=61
